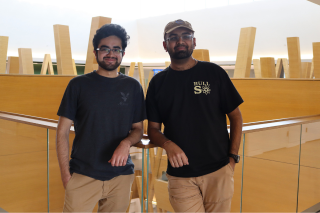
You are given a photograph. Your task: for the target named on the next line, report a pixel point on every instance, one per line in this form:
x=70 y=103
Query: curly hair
x=111 y=30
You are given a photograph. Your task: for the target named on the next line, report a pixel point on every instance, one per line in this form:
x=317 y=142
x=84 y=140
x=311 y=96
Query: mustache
x=181 y=45
x=110 y=57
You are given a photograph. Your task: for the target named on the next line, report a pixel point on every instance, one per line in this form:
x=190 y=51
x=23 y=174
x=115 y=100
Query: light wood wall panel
x=264 y=99
x=316 y=59
x=167 y=63
x=257 y=68
x=131 y=70
x=23 y=163
x=141 y=75
x=285 y=67
x=63 y=49
x=306 y=69
x=278 y=67
x=4 y=40
x=267 y=67
x=25 y=61
x=201 y=55
x=47 y=65
x=96 y=23
x=245 y=52
x=13 y=65
x=293 y=44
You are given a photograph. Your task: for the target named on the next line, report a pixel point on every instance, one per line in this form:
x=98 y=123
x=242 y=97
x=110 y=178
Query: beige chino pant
x=83 y=193
x=208 y=193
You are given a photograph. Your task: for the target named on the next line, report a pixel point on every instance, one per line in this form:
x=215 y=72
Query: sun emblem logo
x=206 y=89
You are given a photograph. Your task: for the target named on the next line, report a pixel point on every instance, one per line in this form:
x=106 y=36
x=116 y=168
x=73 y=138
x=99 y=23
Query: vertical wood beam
x=267 y=67
x=13 y=65
x=131 y=70
x=293 y=44
x=285 y=67
x=74 y=67
x=96 y=23
x=201 y=55
x=316 y=59
x=4 y=40
x=47 y=65
x=142 y=79
x=25 y=61
x=63 y=49
x=257 y=68
x=306 y=69
x=245 y=52
x=312 y=70
x=278 y=67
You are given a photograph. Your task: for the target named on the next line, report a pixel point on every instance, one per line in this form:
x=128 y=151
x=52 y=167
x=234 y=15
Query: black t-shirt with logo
x=103 y=110
x=192 y=105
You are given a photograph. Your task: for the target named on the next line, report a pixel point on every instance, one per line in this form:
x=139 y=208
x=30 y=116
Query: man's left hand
x=232 y=163
x=120 y=155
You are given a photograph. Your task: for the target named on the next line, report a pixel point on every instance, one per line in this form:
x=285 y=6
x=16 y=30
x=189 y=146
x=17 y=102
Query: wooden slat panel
x=47 y=65
x=201 y=55
x=278 y=67
x=267 y=67
x=96 y=23
x=306 y=69
x=294 y=57
x=257 y=68
x=245 y=52
x=63 y=49
x=4 y=40
x=316 y=59
x=131 y=70
x=25 y=61
x=13 y=65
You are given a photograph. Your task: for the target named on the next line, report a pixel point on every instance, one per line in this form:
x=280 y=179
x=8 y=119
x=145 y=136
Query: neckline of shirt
x=183 y=71
x=106 y=78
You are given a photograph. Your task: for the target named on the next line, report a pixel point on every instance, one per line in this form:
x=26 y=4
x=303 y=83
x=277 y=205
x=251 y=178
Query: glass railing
x=278 y=170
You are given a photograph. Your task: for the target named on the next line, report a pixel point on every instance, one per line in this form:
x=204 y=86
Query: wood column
x=257 y=68
x=4 y=40
x=316 y=59
x=294 y=57
x=47 y=65
x=25 y=61
x=96 y=23
x=13 y=65
x=267 y=67
x=201 y=55
x=63 y=49
x=245 y=52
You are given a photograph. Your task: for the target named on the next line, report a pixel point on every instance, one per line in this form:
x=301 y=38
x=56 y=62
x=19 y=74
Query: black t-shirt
x=103 y=110
x=192 y=105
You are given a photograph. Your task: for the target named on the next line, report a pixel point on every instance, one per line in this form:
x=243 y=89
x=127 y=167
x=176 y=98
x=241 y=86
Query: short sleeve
x=68 y=106
x=230 y=98
x=153 y=113
x=139 y=108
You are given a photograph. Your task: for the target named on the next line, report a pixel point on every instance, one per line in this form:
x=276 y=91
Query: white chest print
x=201 y=87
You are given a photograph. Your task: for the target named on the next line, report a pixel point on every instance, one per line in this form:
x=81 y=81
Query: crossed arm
x=119 y=157
x=177 y=157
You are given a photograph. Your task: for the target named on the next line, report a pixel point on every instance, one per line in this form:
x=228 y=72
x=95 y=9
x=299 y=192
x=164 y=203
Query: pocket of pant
x=73 y=174
x=230 y=167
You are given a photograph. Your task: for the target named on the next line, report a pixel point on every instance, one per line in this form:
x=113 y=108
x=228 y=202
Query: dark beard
x=182 y=54
x=103 y=65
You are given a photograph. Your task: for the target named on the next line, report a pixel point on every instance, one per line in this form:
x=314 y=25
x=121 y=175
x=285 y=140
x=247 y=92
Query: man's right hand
x=65 y=179
x=176 y=156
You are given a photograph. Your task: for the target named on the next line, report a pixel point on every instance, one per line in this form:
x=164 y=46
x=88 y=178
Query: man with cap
x=192 y=98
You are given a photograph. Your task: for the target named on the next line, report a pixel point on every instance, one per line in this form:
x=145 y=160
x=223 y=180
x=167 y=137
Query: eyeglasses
x=177 y=38
x=107 y=50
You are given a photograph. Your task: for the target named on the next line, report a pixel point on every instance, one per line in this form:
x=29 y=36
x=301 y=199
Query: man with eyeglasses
x=192 y=98
x=107 y=109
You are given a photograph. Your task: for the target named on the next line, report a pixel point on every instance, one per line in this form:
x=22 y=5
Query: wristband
x=165 y=143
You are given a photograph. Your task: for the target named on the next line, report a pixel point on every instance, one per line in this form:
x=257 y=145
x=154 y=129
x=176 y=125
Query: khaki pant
x=208 y=193
x=83 y=193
